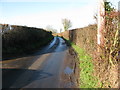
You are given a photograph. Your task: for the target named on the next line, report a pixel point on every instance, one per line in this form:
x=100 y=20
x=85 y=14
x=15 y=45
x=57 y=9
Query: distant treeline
x=23 y=39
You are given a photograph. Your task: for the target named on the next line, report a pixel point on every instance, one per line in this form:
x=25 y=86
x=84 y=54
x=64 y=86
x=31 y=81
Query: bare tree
x=50 y=28
x=66 y=24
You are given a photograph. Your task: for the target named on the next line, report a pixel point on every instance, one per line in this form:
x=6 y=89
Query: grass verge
x=87 y=79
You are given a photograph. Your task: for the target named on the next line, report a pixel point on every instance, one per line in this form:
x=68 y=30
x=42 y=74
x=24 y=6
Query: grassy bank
x=87 y=79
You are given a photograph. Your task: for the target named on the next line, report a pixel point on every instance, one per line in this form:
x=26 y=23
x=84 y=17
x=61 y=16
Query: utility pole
x=101 y=22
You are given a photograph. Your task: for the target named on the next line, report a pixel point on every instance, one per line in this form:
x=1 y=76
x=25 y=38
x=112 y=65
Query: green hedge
x=22 y=39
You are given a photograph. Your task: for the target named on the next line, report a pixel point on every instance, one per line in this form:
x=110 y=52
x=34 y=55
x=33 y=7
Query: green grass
x=87 y=80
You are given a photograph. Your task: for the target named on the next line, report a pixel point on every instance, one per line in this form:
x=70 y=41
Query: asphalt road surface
x=39 y=70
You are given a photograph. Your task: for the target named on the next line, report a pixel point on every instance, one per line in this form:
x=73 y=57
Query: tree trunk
x=101 y=22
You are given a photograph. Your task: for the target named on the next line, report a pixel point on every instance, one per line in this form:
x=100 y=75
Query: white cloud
x=115 y=3
x=79 y=17
x=47 y=1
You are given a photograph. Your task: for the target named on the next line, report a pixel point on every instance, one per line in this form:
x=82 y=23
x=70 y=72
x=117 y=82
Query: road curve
x=40 y=70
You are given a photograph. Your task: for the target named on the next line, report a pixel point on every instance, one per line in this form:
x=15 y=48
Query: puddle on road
x=68 y=70
x=69 y=85
x=69 y=80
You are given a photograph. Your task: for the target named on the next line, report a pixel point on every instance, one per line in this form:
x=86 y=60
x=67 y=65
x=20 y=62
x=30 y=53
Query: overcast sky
x=41 y=13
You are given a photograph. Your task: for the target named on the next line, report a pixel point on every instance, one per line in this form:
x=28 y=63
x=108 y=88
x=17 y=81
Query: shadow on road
x=17 y=69
x=8 y=79
x=47 y=49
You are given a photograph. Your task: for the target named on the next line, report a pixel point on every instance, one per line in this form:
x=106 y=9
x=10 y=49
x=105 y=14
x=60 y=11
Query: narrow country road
x=40 y=70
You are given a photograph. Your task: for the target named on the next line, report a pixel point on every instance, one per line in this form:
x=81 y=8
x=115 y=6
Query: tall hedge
x=22 y=39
